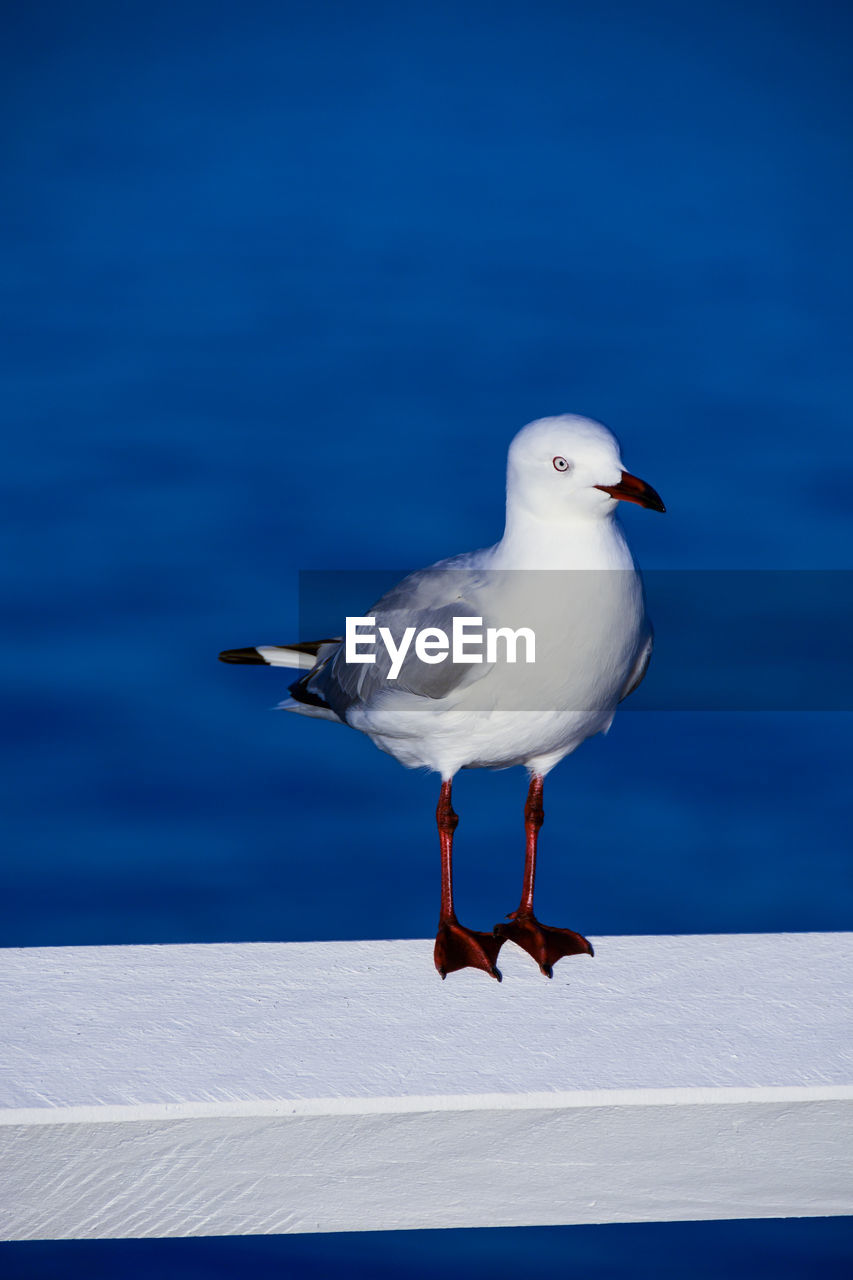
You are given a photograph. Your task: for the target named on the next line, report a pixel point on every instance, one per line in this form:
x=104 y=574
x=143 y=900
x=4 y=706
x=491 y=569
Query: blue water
x=281 y=282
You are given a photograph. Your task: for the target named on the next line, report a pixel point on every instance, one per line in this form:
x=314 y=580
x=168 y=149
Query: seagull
x=562 y=561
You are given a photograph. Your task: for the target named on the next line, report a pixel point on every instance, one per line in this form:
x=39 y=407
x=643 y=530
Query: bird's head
x=569 y=467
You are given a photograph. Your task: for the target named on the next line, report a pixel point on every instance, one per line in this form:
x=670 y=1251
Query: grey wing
x=429 y=598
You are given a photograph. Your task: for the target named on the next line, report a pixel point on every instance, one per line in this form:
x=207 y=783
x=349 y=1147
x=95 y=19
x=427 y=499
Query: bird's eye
x=560 y=464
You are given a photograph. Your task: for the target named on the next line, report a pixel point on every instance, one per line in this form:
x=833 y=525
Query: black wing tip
x=248 y=657
x=300 y=692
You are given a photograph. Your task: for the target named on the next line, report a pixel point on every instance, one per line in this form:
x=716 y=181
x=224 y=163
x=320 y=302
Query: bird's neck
x=584 y=543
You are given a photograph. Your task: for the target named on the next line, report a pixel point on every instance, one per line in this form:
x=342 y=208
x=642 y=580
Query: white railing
x=253 y=1088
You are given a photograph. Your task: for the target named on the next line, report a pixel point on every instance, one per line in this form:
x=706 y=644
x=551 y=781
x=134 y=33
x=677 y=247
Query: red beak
x=630 y=489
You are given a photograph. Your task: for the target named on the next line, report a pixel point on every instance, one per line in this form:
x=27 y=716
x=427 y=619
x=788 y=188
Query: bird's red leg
x=545 y=944
x=455 y=946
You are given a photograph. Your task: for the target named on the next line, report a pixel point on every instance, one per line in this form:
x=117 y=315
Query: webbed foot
x=545 y=944
x=459 y=948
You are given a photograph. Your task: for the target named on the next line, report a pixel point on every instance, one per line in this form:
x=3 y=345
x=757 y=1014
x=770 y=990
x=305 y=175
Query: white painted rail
x=237 y=1089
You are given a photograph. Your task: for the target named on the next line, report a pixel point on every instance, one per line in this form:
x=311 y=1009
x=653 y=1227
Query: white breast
x=590 y=630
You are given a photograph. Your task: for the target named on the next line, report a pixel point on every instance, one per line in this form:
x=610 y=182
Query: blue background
x=281 y=282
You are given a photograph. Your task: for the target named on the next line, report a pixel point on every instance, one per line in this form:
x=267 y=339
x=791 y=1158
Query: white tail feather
x=276 y=655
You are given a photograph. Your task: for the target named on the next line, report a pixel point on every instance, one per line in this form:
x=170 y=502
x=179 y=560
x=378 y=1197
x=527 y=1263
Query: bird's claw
x=459 y=948
x=545 y=944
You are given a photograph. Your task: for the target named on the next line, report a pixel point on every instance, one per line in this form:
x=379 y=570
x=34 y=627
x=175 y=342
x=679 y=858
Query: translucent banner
x=735 y=640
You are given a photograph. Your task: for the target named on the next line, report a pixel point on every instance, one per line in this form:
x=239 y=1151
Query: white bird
x=564 y=570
